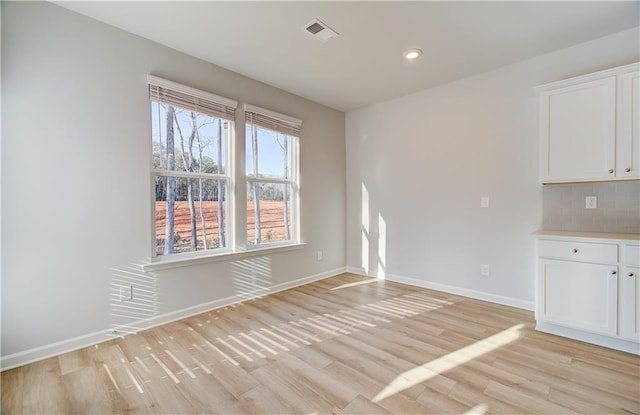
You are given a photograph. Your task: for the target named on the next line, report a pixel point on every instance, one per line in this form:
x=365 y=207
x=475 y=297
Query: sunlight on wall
x=382 y=246
x=365 y=229
x=251 y=277
x=447 y=362
x=133 y=298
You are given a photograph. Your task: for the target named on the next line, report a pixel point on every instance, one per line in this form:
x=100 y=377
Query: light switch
x=484 y=202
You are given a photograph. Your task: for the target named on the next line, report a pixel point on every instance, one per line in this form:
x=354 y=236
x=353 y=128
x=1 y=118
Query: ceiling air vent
x=319 y=30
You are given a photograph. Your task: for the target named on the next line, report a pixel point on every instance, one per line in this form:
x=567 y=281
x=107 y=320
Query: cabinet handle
x=575 y=250
x=614 y=272
x=631 y=274
x=611 y=170
x=628 y=169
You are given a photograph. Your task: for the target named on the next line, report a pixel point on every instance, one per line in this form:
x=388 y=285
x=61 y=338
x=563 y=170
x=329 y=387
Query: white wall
x=427 y=158
x=75 y=180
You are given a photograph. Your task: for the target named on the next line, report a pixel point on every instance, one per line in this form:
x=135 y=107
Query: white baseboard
x=358 y=271
x=600 y=340
x=69 y=345
x=465 y=292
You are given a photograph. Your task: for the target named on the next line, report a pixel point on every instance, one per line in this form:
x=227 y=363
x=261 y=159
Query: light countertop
x=624 y=237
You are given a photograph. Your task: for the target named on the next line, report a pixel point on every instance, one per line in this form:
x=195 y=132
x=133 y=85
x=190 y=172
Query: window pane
x=198 y=206
x=268 y=153
x=188 y=141
x=272 y=223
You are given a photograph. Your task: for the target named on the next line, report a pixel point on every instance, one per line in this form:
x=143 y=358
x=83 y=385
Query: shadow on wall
x=251 y=277
x=134 y=299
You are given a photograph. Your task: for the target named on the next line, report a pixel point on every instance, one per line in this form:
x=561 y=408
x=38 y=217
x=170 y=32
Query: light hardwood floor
x=344 y=345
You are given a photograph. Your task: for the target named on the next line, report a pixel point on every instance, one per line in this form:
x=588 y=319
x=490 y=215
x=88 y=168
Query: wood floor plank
x=70 y=362
x=364 y=406
x=11 y=391
x=439 y=402
x=370 y=389
x=291 y=391
x=235 y=379
x=94 y=399
x=260 y=400
x=387 y=377
x=340 y=394
x=313 y=355
x=581 y=405
x=343 y=345
x=360 y=382
x=43 y=391
x=604 y=378
x=585 y=392
x=472 y=397
x=524 y=401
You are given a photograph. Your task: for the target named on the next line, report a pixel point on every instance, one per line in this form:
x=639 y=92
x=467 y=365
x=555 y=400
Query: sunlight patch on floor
x=354 y=284
x=479 y=409
x=449 y=361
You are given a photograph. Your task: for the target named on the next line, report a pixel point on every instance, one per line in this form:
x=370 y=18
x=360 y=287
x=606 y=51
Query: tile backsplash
x=618 y=207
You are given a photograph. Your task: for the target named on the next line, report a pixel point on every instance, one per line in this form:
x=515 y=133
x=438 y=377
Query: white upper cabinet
x=589 y=127
x=628 y=155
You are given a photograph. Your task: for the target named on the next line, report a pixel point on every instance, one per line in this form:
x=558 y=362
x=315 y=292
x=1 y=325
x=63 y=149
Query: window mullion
x=269 y=180
x=193 y=175
x=240 y=185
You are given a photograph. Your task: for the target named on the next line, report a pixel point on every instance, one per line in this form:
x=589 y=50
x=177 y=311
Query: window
x=272 y=176
x=193 y=182
x=191 y=168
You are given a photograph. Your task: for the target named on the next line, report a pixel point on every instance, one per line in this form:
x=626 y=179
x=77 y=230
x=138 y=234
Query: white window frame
x=235 y=248
x=203 y=103
x=290 y=126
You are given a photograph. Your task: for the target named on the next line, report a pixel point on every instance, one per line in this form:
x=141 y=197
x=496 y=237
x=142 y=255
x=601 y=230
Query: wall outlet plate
x=126 y=292
x=591 y=202
x=484 y=270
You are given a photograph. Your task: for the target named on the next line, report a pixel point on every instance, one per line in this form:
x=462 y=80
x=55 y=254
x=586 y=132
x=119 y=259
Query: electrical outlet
x=484 y=270
x=126 y=292
x=484 y=202
x=591 y=202
x=319 y=255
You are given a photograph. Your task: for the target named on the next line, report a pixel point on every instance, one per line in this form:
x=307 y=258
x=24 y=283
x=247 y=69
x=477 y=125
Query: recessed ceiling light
x=412 y=53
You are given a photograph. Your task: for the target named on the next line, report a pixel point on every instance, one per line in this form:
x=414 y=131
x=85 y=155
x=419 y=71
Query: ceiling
x=364 y=65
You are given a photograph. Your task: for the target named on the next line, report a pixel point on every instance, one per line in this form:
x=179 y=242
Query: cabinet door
x=628 y=151
x=578 y=295
x=629 y=304
x=579 y=131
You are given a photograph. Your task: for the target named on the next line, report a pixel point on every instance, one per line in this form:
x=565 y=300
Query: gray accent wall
x=618 y=208
x=76 y=199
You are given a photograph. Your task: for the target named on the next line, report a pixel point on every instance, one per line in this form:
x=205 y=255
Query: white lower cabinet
x=630 y=304
x=629 y=299
x=589 y=289
x=579 y=295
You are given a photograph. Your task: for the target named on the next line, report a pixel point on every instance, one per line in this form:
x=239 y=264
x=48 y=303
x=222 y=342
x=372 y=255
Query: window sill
x=224 y=256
